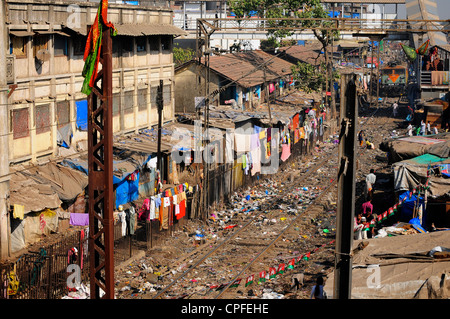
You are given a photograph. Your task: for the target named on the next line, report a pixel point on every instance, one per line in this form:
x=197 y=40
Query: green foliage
x=308 y=77
x=281 y=28
x=181 y=55
x=242 y=8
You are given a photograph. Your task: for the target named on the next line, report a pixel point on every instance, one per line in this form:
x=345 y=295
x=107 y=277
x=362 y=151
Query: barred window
x=62 y=113
x=129 y=102
x=42 y=118
x=142 y=99
x=167 y=94
x=20 y=123
x=116 y=104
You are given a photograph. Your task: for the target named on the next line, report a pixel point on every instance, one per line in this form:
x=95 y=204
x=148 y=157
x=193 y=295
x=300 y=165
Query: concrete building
x=45 y=63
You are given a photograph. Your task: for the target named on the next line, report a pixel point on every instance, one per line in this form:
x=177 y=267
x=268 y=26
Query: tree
x=310 y=78
x=314 y=15
x=181 y=55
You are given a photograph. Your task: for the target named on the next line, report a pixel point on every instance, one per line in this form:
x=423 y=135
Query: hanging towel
x=77 y=219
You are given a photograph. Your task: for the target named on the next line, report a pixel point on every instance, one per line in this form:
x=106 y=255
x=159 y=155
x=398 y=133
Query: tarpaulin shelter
x=404 y=148
x=45 y=186
x=125 y=174
x=396 y=267
x=412 y=172
x=36 y=194
x=410 y=206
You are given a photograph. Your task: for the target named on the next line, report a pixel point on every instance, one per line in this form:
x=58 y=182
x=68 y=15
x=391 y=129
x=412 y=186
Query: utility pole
x=100 y=162
x=206 y=141
x=4 y=136
x=160 y=105
x=346 y=188
x=267 y=94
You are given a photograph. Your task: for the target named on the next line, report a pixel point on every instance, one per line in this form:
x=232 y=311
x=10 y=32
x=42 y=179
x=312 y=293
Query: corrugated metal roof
x=136 y=30
x=235 y=65
x=21 y=33
x=308 y=54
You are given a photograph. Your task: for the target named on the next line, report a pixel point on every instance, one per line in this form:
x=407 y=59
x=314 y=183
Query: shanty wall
x=58 y=79
x=190 y=83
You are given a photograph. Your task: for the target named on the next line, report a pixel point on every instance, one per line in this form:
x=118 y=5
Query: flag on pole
x=423 y=48
x=262 y=277
x=291 y=263
x=411 y=54
x=272 y=272
x=93 y=47
x=391 y=211
x=280 y=269
x=366 y=227
x=236 y=283
x=249 y=280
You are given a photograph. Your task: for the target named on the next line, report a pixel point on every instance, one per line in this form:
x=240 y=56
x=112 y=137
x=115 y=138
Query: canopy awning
x=21 y=33
x=136 y=30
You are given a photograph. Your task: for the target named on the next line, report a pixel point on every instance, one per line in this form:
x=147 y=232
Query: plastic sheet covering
x=399 y=277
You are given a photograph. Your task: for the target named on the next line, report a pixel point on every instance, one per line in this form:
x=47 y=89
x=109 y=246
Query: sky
x=443 y=9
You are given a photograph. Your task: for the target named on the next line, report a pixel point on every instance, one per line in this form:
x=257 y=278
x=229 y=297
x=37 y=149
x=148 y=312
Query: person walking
x=370 y=181
x=422 y=127
x=410 y=129
x=361 y=138
x=395 y=109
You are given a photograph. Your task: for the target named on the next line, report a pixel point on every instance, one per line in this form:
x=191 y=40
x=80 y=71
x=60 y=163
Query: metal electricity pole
x=160 y=105
x=346 y=188
x=100 y=161
x=267 y=94
x=4 y=138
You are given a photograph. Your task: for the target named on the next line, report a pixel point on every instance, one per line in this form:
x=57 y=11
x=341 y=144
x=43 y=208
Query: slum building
x=47 y=41
x=48 y=112
x=238 y=78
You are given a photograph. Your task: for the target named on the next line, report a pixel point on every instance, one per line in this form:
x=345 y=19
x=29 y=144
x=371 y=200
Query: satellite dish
x=43 y=55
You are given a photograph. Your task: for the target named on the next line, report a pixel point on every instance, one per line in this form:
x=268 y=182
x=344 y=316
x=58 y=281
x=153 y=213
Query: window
x=142 y=99
x=19 y=46
x=166 y=43
x=79 y=43
x=141 y=44
x=167 y=96
x=154 y=43
x=154 y=97
x=62 y=113
x=40 y=42
x=20 y=124
x=116 y=104
x=42 y=118
x=129 y=102
x=127 y=44
x=60 y=45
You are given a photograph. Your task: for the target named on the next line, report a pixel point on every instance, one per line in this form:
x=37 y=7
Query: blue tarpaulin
x=407 y=208
x=127 y=190
x=82 y=110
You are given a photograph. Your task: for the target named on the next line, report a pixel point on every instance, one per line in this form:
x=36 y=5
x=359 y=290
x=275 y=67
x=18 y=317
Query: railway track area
x=279 y=229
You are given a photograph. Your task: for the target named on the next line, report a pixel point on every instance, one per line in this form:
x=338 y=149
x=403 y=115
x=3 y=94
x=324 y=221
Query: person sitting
x=317 y=291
